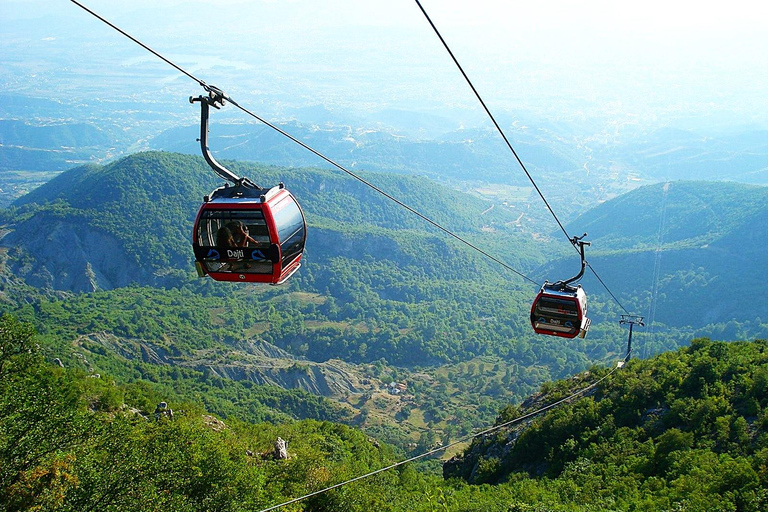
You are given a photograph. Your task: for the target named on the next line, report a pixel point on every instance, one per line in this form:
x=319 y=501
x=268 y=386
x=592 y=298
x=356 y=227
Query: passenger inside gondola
x=235 y=234
x=221 y=229
x=224 y=237
x=223 y=233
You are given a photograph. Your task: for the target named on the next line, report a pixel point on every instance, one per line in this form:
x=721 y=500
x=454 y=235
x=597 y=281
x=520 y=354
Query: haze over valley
x=647 y=131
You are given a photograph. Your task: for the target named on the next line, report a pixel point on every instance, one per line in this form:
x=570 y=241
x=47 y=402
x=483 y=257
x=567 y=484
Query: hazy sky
x=645 y=59
x=666 y=19
x=736 y=16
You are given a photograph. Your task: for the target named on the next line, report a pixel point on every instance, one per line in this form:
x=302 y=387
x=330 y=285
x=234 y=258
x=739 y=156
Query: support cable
x=657 y=268
x=458 y=441
x=509 y=145
x=217 y=91
x=495 y=123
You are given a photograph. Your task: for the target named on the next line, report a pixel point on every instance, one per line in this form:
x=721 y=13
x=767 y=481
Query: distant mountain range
x=463 y=154
x=675 y=154
x=54 y=146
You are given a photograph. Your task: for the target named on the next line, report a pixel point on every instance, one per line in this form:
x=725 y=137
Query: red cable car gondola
x=561 y=309
x=245 y=233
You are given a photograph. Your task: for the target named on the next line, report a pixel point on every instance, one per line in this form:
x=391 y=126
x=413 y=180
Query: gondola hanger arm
x=215 y=99
x=579 y=243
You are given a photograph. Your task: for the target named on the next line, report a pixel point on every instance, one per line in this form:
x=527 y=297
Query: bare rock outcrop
x=50 y=252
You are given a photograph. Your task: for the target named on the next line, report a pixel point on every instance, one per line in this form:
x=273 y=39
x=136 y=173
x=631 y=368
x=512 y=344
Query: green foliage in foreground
x=67 y=443
x=687 y=429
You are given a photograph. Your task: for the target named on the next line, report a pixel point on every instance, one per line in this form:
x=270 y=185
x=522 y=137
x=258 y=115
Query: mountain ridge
x=145 y=203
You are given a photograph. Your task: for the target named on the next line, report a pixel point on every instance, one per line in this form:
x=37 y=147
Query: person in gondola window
x=224 y=237
x=234 y=234
x=239 y=236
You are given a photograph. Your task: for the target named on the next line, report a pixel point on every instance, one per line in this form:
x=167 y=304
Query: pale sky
x=664 y=18
x=656 y=54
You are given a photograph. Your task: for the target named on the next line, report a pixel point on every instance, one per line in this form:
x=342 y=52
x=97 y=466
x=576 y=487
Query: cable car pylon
x=631 y=320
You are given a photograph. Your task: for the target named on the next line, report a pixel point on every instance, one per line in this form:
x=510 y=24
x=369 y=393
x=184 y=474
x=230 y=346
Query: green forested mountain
x=681 y=253
x=99 y=261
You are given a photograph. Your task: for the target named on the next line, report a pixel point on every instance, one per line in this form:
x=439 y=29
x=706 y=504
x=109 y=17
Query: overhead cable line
x=607 y=289
x=493 y=119
x=509 y=145
x=450 y=445
x=657 y=266
x=217 y=91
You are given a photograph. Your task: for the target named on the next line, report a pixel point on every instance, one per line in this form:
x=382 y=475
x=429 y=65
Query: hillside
x=131 y=220
x=685 y=430
x=699 y=244
x=118 y=224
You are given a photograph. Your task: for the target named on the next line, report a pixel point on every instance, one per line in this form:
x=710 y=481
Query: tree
x=16 y=346
x=41 y=421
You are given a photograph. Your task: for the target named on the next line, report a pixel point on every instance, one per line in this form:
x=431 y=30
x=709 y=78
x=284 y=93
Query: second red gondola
x=560 y=310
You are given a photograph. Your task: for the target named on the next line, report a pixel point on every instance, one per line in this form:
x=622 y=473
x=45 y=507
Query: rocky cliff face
x=331 y=379
x=257 y=361
x=263 y=363
x=127 y=348
x=47 y=251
